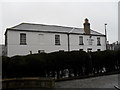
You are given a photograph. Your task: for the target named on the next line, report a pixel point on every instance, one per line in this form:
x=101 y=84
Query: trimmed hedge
x=61 y=64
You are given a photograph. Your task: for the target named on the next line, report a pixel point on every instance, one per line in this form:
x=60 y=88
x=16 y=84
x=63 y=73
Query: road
x=100 y=82
x=96 y=82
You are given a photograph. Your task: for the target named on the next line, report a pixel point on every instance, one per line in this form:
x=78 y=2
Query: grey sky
x=61 y=13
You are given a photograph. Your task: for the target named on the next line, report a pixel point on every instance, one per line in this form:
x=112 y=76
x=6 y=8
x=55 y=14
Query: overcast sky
x=65 y=13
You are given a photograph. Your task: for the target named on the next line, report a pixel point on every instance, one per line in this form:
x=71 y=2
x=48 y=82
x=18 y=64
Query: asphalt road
x=97 y=82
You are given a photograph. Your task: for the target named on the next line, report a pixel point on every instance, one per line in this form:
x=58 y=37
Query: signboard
x=90 y=41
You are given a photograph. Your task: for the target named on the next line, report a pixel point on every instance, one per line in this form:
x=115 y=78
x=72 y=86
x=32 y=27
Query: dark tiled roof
x=50 y=28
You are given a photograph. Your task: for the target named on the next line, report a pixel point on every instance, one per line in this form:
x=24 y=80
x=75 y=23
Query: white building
x=27 y=38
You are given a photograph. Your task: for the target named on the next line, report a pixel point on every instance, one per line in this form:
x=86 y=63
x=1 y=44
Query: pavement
x=96 y=82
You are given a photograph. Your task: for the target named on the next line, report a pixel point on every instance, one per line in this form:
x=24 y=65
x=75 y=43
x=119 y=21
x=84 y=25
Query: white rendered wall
x=46 y=41
x=74 y=43
x=34 y=43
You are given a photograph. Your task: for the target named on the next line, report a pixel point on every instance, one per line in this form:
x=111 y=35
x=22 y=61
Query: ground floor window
x=89 y=49
x=98 y=49
x=61 y=50
x=30 y=52
x=41 y=51
x=80 y=49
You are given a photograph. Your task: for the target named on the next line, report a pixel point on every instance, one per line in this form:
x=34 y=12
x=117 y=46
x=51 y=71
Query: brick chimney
x=86 y=26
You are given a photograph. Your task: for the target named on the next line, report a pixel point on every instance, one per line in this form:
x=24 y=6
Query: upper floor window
x=98 y=41
x=57 y=39
x=80 y=40
x=22 y=38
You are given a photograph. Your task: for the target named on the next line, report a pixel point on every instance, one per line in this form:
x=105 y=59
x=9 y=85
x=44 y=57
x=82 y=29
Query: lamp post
x=106 y=35
x=68 y=42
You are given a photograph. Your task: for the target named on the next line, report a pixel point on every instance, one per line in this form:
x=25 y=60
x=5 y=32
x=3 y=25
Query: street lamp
x=105 y=30
x=106 y=35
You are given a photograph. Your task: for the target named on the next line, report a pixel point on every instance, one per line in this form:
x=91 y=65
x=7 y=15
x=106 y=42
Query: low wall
x=27 y=83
